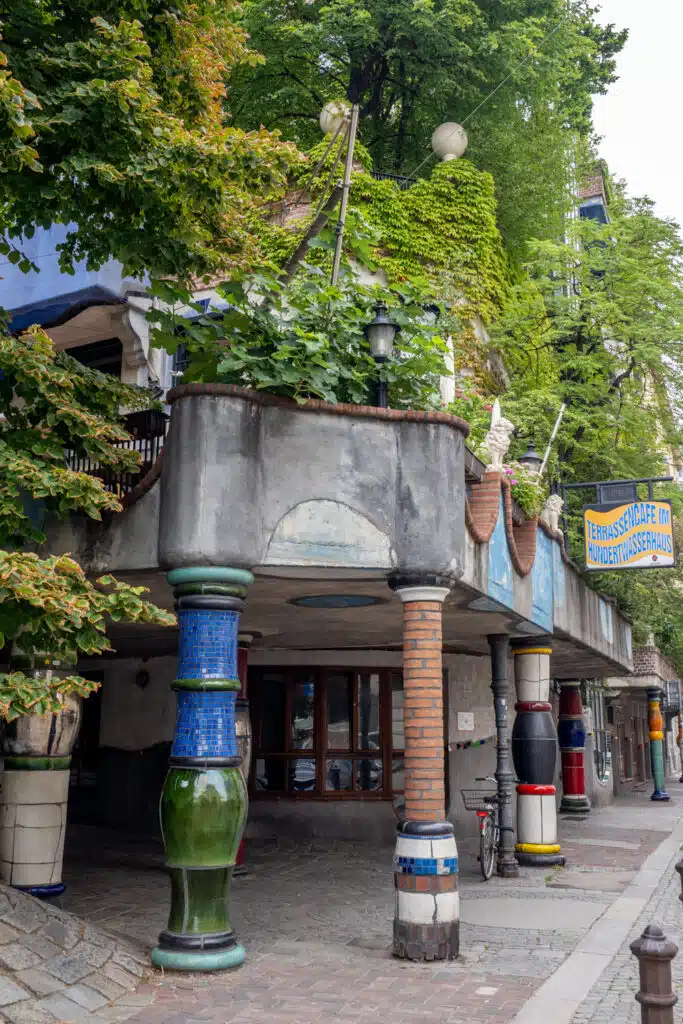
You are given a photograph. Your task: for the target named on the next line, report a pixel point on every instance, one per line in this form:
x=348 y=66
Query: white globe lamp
x=333 y=115
x=449 y=141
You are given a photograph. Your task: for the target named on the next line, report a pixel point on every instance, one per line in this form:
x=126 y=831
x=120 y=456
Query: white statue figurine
x=552 y=511
x=497 y=440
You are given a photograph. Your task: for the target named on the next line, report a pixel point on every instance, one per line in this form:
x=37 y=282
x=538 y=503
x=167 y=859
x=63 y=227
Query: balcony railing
x=399 y=179
x=148 y=430
x=671 y=700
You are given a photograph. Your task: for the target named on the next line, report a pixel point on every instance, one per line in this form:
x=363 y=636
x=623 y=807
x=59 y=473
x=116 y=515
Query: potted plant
x=48 y=603
x=53 y=413
x=40 y=698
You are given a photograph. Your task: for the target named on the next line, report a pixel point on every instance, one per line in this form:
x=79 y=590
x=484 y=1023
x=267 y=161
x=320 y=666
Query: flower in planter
x=526 y=489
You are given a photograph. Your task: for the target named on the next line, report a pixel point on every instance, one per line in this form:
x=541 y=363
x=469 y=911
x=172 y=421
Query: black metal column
x=507 y=866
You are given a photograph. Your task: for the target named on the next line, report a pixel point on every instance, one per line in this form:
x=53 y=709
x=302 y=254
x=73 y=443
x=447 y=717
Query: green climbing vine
x=442 y=228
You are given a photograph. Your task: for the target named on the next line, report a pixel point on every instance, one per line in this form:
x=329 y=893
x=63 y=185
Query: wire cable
x=493 y=92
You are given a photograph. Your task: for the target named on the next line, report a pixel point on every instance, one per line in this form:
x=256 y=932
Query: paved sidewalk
x=316 y=921
x=611 y=1001
x=598 y=981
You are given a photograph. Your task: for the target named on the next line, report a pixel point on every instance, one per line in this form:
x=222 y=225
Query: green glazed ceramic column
x=204 y=800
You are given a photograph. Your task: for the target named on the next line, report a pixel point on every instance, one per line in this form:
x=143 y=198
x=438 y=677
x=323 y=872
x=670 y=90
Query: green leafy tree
x=434 y=250
x=520 y=72
x=54 y=412
x=114 y=119
x=598 y=325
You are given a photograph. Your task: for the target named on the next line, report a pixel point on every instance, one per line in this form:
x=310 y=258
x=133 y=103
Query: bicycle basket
x=478 y=799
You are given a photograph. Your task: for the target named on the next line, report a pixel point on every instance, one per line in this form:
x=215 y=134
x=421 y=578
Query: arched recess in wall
x=328 y=533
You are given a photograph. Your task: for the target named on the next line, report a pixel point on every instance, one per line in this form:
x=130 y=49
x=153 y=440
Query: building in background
x=625 y=709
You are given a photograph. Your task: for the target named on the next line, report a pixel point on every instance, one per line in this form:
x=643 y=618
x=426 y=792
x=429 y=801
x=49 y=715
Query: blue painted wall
x=542 y=576
x=34 y=289
x=500 y=577
x=559 y=578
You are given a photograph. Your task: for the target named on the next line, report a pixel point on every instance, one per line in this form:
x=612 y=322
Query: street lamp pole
x=507 y=866
x=381 y=333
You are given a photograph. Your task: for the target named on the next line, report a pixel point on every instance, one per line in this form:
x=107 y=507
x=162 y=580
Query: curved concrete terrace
x=325 y=499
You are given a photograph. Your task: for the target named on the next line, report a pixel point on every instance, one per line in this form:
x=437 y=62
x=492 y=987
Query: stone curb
x=559 y=997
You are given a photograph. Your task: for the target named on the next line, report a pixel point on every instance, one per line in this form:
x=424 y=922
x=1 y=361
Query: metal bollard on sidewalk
x=655 y=953
x=679 y=869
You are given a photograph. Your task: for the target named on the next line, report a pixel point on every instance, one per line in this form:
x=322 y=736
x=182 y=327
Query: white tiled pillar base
x=537 y=820
x=32 y=827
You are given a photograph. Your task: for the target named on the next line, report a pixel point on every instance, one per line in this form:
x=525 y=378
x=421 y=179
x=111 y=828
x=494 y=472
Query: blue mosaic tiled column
x=204 y=800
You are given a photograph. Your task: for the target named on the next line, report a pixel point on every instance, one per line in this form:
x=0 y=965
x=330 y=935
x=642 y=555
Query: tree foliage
x=442 y=229
x=55 y=612
x=598 y=325
x=521 y=73
x=53 y=411
x=114 y=120
x=433 y=249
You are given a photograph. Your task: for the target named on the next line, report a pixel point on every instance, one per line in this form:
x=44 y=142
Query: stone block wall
x=648 y=661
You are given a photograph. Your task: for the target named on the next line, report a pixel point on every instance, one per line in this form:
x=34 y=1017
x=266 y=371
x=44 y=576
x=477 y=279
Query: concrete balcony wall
x=324 y=493
x=582 y=614
x=251 y=481
x=126 y=542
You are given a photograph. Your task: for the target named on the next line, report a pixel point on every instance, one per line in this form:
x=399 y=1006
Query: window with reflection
x=327 y=732
x=602 y=740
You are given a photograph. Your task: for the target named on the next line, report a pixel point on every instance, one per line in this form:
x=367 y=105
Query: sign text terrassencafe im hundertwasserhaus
x=637 y=535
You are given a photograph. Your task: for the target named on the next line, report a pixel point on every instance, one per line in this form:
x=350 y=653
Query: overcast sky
x=640 y=117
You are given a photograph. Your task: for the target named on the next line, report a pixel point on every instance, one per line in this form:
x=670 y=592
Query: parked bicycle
x=486 y=806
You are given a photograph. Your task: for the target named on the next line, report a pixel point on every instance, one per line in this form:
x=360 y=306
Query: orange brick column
x=426 y=919
x=425 y=794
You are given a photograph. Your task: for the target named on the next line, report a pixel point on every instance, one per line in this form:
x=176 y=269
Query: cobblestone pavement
x=315 y=918
x=611 y=1000
x=56 y=967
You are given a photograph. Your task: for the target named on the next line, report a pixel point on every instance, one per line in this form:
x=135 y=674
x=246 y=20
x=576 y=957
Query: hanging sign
x=637 y=535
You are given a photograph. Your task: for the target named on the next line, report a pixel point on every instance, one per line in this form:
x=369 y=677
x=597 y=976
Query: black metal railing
x=401 y=180
x=148 y=430
x=671 y=699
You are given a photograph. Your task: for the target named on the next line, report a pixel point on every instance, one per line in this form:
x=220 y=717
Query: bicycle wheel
x=487 y=849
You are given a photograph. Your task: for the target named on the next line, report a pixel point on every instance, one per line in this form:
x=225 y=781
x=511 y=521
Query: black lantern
x=531 y=460
x=380 y=333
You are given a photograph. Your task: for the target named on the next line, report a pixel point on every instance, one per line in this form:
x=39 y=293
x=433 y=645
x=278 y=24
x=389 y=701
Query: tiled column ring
x=571 y=733
x=204 y=800
x=426 y=919
x=534 y=753
x=655 y=723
